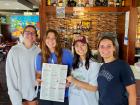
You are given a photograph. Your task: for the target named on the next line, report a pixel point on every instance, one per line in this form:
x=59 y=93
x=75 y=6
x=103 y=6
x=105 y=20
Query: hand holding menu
x=54 y=82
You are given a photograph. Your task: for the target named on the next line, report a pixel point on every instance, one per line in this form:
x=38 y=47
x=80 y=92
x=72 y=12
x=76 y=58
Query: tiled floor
x=4 y=98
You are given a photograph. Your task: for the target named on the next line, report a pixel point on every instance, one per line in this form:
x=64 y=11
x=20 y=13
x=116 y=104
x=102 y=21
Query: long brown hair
x=115 y=44
x=45 y=52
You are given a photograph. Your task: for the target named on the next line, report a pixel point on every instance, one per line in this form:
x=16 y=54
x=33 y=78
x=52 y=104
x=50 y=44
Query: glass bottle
x=80 y=3
x=71 y=3
x=118 y=3
x=98 y=3
x=111 y=3
x=105 y=3
x=122 y=3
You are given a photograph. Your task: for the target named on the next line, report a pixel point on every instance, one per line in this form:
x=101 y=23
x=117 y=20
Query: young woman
x=20 y=69
x=116 y=82
x=52 y=52
x=84 y=75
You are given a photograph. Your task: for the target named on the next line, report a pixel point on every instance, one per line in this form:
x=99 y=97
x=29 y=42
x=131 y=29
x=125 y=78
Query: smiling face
x=51 y=40
x=106 y=49
x=81 y=49
x=29 y=35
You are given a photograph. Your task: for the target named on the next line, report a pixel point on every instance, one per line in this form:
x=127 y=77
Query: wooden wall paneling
x=138 y=100
x=128 y=2
x=134 y=3
x=121 y=30
x=138 y=91
x=138 y=3
x=138 y=88
x=132 y=35
x=42 y=16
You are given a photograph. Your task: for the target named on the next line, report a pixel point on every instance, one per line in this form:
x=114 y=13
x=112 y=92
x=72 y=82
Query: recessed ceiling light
x=17 y=8
x=28 y=13
x=37 y=13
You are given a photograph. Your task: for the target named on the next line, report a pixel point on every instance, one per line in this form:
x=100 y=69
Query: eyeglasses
x=30 y=33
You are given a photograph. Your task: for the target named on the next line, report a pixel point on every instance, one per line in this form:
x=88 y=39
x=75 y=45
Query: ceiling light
x=37 y=13
x=27 y=13
x=13 y=13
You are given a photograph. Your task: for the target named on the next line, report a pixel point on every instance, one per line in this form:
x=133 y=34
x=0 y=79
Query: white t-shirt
x=79 y=96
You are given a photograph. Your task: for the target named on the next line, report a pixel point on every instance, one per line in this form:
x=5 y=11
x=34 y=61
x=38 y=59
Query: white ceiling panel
x=13 y=5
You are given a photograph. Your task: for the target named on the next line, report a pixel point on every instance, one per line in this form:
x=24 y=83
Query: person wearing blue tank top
x=52 y=52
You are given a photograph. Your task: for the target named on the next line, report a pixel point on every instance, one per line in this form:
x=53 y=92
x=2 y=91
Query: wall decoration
x=19 y=22
x=3 y=20
x=86 y=25
x=60 y=12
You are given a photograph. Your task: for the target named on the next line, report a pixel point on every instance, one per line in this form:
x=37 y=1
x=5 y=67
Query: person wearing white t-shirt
x=83 y=79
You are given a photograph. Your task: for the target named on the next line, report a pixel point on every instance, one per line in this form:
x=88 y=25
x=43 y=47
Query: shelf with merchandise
x=69 y=10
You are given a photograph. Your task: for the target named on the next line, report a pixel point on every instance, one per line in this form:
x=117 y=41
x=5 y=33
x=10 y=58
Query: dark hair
x=114 y=42
x=89 y=57
x=45 y=50
x=28 y=26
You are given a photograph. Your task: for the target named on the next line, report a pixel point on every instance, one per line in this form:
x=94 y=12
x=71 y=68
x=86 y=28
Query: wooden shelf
x=70 y=10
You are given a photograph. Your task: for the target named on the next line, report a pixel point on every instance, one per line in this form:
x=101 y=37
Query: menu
x=53 y=82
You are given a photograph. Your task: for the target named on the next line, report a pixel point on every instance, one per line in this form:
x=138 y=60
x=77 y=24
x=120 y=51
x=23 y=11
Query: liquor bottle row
x=86 y=3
